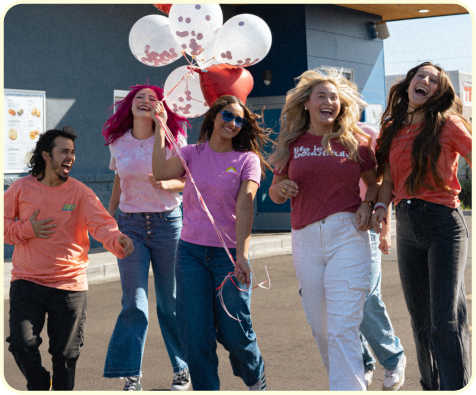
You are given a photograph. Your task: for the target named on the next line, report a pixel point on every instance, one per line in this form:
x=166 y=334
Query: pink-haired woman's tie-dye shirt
x=133 y=164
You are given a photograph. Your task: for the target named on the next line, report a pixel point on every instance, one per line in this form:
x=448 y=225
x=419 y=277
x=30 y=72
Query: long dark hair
x=122 y=120
x=426 y=146
x=46 y=142
x=252 y=136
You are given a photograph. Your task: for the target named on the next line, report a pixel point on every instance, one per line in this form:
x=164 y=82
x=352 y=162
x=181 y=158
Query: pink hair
x=122 y=120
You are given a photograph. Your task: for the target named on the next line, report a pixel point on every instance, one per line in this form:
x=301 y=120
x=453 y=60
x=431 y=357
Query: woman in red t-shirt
x=423 y=135
x=320 y=157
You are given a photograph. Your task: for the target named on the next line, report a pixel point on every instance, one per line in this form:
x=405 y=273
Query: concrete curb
x=103 y=264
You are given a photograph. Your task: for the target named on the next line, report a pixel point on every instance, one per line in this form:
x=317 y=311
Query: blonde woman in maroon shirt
x=320 y=157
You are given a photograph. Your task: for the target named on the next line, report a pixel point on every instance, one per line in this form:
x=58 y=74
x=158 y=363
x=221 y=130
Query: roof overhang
x=398 y=12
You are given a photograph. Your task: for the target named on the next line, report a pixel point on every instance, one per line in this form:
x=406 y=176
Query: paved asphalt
x=292 y=359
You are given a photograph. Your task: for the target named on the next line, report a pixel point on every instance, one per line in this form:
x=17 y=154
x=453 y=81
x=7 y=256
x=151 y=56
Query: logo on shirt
x=318 y=151
x=69 y=207
x=231 y=170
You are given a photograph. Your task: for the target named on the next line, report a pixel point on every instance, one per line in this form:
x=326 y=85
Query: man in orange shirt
x=47 y=217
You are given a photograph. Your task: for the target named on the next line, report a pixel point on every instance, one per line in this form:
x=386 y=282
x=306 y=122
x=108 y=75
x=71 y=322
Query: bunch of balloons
x=218 y=51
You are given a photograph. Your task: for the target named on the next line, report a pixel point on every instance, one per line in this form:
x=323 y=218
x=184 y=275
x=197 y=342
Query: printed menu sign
x=24 y=121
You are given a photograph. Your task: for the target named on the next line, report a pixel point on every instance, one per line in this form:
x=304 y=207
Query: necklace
x=142 y=140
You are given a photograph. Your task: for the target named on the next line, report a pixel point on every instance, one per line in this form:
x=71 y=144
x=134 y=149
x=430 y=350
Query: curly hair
x=295 y=120
x=123 y=120
x=46 y=142
x=252 y=137
x=426 y=146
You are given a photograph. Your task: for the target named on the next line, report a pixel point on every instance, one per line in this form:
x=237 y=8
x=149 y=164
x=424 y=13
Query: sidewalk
x=103 y=265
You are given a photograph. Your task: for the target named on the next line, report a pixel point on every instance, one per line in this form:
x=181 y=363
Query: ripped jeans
x=332 y=262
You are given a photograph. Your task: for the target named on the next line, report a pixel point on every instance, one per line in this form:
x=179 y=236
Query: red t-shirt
x=455 y=141
x=328 y=184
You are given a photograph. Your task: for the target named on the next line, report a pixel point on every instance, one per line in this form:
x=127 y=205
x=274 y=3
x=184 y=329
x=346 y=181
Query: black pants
x=29 y=304
x=432 y=242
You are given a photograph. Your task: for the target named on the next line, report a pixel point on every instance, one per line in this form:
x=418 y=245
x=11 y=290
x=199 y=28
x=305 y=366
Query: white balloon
x=194 y=26
x=152 y=43
x=243 y=40
x=206 y=58
x=187 y=98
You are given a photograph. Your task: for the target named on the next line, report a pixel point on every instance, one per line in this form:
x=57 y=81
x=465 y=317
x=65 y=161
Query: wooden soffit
x=397 y=12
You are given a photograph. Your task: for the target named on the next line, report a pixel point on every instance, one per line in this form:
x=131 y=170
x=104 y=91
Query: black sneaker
x=181 y=380
x=132 y=384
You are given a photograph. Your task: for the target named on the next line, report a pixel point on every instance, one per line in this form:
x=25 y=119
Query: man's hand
x=39 y=227
x=243 y=276
x=126 y=242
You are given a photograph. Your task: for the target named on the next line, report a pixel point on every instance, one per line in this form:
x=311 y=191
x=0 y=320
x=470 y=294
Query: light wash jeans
x=203 y=320
x=376 y=328
x=332 y=262
x=155 y=237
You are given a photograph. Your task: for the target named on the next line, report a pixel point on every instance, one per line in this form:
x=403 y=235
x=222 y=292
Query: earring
x=305 y=108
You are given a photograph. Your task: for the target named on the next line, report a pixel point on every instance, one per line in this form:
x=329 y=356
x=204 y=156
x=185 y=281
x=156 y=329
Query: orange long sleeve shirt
x=60 y=261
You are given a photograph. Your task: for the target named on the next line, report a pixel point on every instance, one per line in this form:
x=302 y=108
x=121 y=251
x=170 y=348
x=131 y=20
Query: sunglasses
x=228 y=116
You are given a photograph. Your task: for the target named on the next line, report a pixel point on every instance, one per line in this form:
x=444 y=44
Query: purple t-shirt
x=218 y=177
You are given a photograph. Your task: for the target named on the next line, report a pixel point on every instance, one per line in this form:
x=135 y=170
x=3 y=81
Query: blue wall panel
x=264 y=203
x=287 y=57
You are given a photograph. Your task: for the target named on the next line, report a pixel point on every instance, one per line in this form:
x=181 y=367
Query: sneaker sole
x=181 y=388
x=397 y=386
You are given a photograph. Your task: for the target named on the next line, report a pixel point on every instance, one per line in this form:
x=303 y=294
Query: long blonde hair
x=295 y=120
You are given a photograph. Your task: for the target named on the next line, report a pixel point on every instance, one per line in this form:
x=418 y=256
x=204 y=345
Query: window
x=119 y=95
x=347 y=73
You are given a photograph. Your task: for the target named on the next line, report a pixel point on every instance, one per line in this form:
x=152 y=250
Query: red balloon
x=223 y=79
x=165 y=8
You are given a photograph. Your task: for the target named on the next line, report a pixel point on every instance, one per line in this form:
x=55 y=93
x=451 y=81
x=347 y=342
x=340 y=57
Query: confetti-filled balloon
x=152 y=43
x=206 y=58
x=187 y=98
x=194 y=26
x=243 y=40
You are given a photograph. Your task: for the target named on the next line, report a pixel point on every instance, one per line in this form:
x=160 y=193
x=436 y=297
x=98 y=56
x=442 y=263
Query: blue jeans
x=203 y=321
x=432 y=242
x=376 y=327
x=155 y=237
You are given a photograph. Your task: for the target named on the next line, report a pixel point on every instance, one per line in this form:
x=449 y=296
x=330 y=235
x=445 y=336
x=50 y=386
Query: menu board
x=24 y=121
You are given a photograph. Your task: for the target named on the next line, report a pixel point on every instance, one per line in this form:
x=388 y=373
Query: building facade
x=78 y=54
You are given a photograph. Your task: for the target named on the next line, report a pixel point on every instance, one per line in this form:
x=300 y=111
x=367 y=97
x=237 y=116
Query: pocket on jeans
x=458 y=216
x=434 y=208
x=124 y=215
x=174 y=215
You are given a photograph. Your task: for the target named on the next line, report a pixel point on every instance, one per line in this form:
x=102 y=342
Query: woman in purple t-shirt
x=226 y=166
x=149 y=213
x=320 y=157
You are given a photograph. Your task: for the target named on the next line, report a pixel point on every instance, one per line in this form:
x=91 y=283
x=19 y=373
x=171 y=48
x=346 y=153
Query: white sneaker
x=132 y=384
x=260 y=385
x=368 y=377
x=394 y=379
x=181 y=380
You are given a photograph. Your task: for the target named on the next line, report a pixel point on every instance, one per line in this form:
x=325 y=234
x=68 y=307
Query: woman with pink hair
x=150 y=214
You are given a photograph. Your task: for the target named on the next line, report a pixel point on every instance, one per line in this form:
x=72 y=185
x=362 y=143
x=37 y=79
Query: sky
x=445 y=41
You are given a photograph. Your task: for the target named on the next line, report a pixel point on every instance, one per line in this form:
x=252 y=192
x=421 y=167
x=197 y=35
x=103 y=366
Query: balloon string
x=171 y=140
x=192 y=69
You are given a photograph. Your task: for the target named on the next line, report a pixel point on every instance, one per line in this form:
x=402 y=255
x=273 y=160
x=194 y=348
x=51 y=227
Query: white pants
x=332 y=262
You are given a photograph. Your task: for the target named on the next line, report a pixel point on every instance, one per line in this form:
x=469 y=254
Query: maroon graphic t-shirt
x=327 y=183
